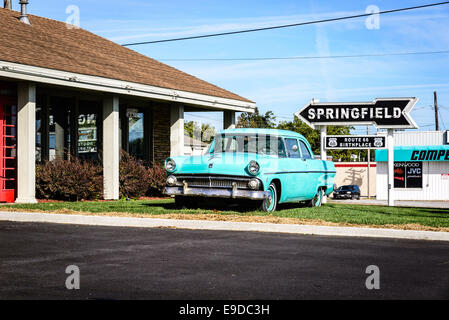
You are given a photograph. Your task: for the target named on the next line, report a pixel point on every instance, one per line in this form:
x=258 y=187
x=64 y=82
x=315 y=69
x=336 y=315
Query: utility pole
x=435 y=102
x=369 y=164
x=7 y=4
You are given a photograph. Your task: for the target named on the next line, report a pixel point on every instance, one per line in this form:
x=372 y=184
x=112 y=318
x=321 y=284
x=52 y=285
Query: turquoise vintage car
x=264 y=165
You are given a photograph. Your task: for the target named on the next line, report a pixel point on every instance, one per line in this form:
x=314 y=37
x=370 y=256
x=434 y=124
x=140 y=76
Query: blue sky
x=285 y=86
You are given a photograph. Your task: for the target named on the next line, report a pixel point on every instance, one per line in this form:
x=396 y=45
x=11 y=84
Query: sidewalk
x=223 y=225
x=398 y=203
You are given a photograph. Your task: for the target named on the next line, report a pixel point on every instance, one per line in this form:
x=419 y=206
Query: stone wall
x=161 y=133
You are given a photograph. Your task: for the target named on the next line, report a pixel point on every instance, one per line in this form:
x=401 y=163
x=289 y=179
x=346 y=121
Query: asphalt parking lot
x=144 y=263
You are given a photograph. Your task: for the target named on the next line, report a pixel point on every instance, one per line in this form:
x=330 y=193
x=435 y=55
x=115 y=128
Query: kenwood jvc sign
x=391 y=113
x=356 y=142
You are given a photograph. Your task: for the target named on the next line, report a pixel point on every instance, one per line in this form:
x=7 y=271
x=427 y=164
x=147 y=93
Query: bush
x=134 y=180
x=157 y=177
x=71 y=180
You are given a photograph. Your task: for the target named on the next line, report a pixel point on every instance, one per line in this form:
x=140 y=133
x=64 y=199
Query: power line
x=288 y=25
x=315 y=57
x=442 y=119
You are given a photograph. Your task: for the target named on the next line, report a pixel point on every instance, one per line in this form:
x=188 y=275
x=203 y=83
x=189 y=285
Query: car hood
x=220 y=163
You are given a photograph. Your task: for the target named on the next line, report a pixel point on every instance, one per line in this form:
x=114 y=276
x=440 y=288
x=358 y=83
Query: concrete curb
x=223 y=225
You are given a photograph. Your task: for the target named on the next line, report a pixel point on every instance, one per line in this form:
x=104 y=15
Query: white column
x=26 y=143
x=59 y=140
x=176 y=130
x=390 y=146
x=228 y=119
x=111 y=148
x=323 y=130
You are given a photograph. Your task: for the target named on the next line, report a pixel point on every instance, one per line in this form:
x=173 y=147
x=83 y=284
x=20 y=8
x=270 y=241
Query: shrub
x=157 y=177
x=71 y=180
x=134 y=181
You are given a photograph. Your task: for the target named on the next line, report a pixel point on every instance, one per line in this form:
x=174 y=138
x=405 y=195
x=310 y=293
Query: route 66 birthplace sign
x=356 y=142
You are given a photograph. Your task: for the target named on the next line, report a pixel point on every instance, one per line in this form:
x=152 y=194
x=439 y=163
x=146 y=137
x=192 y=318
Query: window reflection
x=136 y=135
x=87 y=136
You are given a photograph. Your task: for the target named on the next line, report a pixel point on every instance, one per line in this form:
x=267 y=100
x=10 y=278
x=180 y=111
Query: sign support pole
x=323 y=152
x=390 y=145
x=369 y=165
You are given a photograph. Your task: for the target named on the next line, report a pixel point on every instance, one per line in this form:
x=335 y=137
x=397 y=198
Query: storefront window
x=408 y=175
x=136 y=136
x=59 y=114
x=38 y=134
x=66 y=129
x=87 y=136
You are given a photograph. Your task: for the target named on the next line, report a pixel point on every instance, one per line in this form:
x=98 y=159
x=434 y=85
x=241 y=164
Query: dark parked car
x=347 y=192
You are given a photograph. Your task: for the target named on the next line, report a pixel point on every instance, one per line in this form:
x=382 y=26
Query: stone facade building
x=66 y=92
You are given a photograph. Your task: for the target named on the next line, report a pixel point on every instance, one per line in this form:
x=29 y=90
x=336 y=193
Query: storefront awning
x=416 y=153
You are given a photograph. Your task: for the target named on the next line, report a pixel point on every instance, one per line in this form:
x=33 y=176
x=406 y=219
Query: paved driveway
x=138 y=263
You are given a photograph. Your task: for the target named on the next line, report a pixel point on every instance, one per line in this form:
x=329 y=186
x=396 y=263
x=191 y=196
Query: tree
x=205 y=132
x=313 y=136
x=256 y=120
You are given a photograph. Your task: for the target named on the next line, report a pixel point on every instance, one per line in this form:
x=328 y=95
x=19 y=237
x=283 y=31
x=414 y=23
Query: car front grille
x=210 y=181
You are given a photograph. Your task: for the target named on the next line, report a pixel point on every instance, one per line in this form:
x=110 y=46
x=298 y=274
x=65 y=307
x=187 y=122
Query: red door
x=8 y=151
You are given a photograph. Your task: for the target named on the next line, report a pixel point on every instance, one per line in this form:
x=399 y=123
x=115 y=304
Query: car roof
x=276 y=132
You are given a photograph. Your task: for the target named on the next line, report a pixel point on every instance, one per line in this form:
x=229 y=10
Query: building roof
x=50 y=44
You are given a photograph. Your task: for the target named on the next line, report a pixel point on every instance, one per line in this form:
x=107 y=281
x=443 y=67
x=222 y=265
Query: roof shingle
x=50 y=44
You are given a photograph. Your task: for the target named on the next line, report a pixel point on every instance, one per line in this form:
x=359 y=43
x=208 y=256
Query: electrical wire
x=442 y=119
x=314 y=57
x=288 y=25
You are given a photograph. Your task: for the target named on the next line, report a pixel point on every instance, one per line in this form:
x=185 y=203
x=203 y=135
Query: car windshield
x=345 y=188
x=249 y=143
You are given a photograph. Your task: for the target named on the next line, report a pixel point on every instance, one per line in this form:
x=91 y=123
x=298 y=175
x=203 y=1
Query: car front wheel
x=270 y=203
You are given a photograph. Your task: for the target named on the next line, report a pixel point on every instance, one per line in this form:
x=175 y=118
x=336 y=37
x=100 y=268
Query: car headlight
x=348 y=192
x=253 y=168
x=170 y=165
x=254 y=184
x=171 y=181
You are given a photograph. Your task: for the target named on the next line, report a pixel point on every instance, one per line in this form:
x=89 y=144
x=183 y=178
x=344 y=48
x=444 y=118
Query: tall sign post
x=383 y=113
x=323 y=150
x=390 y=142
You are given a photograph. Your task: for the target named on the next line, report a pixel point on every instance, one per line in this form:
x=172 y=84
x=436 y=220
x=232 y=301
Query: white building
x=421 y=166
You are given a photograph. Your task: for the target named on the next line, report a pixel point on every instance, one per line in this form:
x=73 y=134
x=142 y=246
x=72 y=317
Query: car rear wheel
x=270 y=203
x=317 y=200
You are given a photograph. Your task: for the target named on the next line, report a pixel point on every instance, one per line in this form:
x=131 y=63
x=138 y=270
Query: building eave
x=81 y=81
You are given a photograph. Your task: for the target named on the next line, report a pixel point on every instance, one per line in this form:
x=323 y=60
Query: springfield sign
x=391 y=113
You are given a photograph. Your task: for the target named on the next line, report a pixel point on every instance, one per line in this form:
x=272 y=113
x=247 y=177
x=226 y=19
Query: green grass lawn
x=336 y=213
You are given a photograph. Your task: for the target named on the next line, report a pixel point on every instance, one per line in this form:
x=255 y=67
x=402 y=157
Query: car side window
x=292 y=148
x=304 y=150
x=281 y=149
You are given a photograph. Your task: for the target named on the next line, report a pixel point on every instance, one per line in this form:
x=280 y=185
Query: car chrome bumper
x=216 y=193
x=343 y=196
